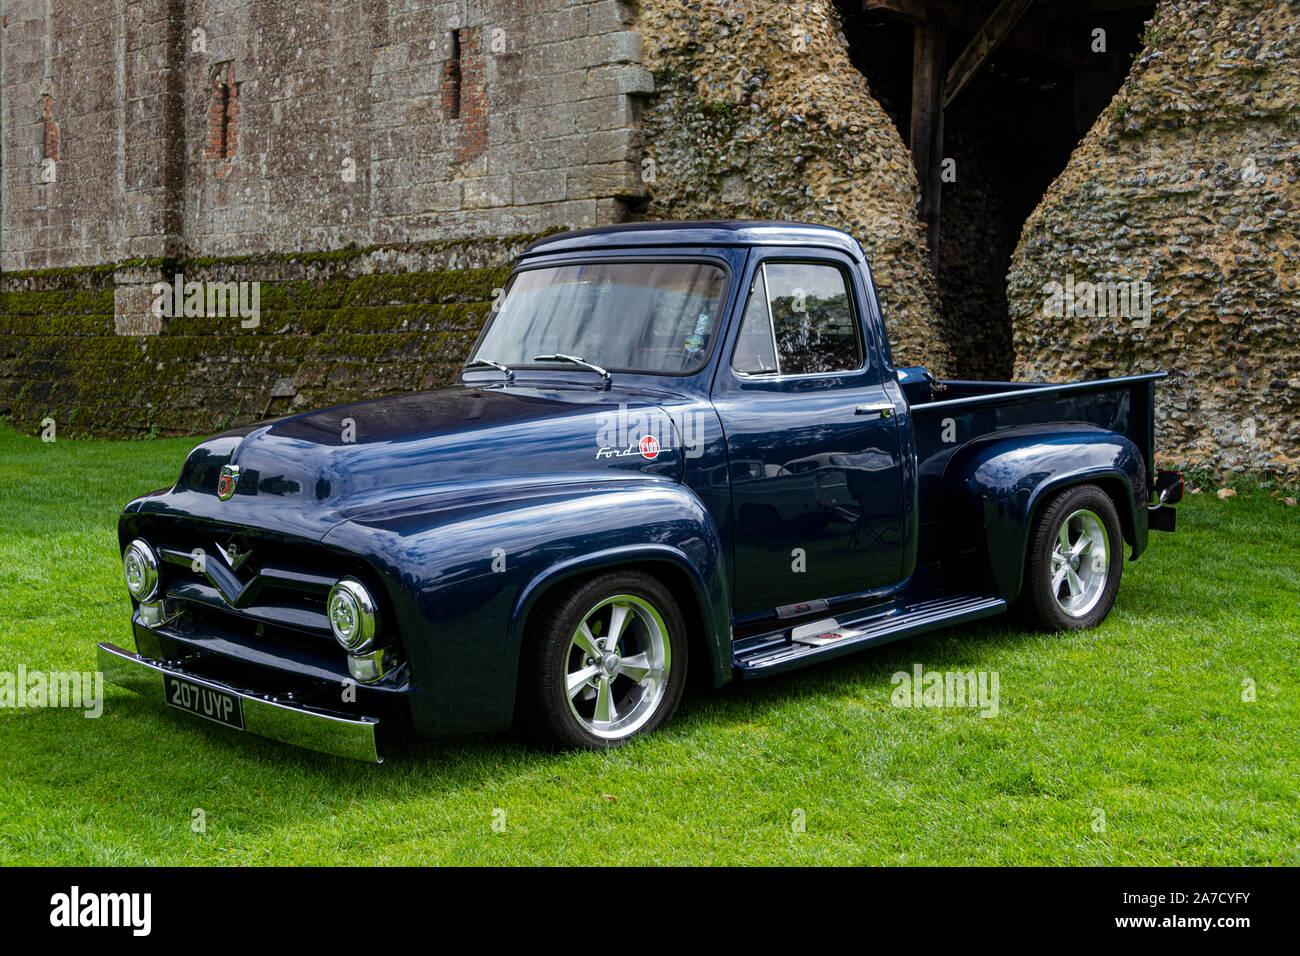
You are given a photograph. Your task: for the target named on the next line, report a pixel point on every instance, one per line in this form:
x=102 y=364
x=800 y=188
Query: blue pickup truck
x=675 y=445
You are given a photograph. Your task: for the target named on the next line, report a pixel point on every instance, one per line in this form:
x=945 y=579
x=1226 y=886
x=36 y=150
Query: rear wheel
x=1075 y=560
x=605 y=662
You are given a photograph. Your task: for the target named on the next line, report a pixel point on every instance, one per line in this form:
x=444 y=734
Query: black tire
x=548 y=715
x=1048 y=600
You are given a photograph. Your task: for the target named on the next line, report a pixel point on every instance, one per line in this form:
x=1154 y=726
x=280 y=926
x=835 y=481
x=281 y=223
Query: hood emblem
x=226 y=482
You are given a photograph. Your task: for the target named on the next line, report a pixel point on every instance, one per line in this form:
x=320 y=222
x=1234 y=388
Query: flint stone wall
x=1190 y=180
x=759 y=114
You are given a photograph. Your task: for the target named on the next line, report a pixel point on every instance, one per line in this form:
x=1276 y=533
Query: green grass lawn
x=1141 y=720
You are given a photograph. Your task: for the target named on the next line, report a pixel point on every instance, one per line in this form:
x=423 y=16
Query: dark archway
x=1024 y=83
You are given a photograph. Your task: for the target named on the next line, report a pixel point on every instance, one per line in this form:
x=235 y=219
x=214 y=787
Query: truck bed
x=1125 y=405
x=950 y=416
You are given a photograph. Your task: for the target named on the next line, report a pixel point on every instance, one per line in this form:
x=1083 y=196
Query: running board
x=822 y=640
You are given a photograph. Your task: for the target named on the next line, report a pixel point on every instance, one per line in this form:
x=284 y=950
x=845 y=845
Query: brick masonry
x=51 y=131
x=223 y=117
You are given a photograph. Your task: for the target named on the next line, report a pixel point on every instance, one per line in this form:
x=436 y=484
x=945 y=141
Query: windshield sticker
x=695 y=341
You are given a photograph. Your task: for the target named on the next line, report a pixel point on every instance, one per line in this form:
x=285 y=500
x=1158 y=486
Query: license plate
x=216 y=705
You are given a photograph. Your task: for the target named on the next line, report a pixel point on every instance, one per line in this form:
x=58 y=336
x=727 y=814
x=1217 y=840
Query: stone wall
x=338 y=326
x=335 y=151
x=83 y=99
x=759 y=114
x=222 y=127
x=400 y=121
x=1190 y=181
x=270 y=142
x=352 y=155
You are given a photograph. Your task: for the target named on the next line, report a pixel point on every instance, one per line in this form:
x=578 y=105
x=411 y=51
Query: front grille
x=262 y=592
x=258 y=585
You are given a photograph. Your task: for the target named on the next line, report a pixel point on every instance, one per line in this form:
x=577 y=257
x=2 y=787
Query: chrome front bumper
x=288 y=723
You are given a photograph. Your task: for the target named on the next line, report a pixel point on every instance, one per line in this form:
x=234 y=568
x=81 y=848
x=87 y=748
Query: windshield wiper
x=561 y=357
x=488 y=363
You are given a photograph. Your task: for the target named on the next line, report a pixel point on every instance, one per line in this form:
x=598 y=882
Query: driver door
x=812 y=440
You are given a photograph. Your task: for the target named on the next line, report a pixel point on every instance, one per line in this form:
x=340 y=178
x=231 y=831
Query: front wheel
x=1076 y=558
x=604 y=662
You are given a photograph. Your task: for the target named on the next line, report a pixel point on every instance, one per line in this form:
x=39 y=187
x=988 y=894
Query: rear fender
x=993 y=488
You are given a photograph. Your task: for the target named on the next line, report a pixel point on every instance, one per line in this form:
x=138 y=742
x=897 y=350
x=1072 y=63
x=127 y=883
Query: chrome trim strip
x=771 y=319
x=287 y=723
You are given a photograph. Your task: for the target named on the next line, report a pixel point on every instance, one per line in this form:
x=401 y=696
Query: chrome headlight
x=140 y=565
x=353 y=615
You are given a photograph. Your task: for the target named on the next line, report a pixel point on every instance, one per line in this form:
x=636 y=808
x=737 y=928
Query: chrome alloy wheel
x=617 y=666
x=1080 y=563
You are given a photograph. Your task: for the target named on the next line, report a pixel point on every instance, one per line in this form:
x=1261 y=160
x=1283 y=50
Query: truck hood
x=304 y=474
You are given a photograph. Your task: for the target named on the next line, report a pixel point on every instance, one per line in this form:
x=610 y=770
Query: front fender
x=993 y=487
x=464 y=579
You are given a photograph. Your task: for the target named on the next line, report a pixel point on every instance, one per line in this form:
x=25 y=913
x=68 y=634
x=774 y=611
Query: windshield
x=623 y=316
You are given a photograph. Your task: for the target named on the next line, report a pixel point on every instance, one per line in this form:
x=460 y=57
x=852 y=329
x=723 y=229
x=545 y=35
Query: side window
x=799 y=321
x=815 y=328
x=755 y=347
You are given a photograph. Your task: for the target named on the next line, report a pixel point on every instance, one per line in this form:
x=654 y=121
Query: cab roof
x=723 y=232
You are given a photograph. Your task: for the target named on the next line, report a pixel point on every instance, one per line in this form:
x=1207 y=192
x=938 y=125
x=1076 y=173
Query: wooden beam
x=914 y=11
x=926 y=130
x=987 y=39
x=1032 y=38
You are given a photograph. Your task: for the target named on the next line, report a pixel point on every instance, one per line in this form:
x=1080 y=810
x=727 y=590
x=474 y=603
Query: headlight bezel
x=140 y=557
x=353 y=615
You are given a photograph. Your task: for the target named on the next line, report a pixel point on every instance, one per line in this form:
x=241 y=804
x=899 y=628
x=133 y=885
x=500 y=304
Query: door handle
x=883 y=409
